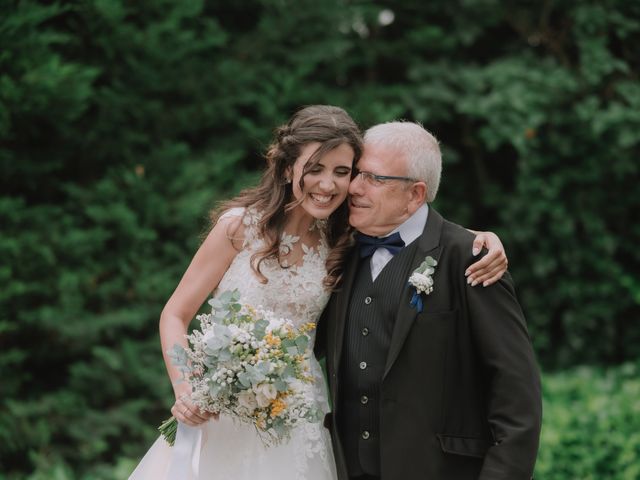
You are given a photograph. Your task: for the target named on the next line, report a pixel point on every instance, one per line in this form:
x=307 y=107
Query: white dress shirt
x=409 y=230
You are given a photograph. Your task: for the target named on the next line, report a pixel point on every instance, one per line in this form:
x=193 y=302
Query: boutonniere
x=422 y=282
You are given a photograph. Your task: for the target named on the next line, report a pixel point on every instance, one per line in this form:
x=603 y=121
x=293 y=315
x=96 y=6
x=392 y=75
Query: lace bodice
x=296 y=292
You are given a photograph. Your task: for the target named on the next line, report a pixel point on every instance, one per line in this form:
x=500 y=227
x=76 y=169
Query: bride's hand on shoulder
x=185 y=411
x=490 y=268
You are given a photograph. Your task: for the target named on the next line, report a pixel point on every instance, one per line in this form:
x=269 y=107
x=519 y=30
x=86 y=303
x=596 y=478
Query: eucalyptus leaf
x=281 y=385
x=227 y=296
x=279 y=426
x=302 y=342
x=214 y=389
x=259 y=329
x=215 y=303
x=289 y=372
x=178 y=356
x=224 y=355
x=263 y=367
x=255 y=375
x=245 y=379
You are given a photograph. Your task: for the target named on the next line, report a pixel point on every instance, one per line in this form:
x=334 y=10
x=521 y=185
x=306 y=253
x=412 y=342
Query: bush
x=591 y=426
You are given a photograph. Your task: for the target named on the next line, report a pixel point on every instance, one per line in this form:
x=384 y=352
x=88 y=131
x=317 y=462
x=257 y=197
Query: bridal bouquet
x=249 y=364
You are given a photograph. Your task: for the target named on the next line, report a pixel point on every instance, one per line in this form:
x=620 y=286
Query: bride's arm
x=209 y=264
x=490 y=268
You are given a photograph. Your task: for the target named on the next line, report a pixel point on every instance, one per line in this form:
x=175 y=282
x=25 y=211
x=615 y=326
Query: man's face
x=378 y=207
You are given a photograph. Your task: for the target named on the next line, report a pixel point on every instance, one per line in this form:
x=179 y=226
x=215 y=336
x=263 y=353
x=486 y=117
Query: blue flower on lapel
x=422 y=282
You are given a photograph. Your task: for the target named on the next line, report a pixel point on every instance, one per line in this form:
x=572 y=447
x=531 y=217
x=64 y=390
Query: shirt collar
x=413 y=226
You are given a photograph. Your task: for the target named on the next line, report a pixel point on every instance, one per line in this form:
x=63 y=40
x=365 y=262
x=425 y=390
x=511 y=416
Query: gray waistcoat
x=372 y=310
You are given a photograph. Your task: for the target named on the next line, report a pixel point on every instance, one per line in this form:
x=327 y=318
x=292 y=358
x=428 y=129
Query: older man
x=430 y=379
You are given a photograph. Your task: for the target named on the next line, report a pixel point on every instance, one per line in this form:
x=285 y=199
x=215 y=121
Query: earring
x=287 y=181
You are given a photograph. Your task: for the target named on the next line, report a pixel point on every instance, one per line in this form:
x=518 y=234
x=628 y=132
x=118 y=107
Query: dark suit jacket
x=460 y=397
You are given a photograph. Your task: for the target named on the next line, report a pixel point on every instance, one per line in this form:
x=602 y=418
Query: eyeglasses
x=379 y=180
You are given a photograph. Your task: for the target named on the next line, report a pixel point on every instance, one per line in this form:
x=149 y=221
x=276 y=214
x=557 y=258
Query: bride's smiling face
x=326 y=184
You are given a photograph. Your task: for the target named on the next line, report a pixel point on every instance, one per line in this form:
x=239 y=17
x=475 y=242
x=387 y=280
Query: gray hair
x=418 y=146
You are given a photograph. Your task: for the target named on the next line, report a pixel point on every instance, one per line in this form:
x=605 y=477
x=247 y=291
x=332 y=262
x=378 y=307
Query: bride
x=281 y=244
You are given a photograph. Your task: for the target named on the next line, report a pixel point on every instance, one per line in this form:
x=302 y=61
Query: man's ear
x=418 y=194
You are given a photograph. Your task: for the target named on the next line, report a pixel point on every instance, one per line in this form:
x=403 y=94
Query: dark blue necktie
x=368 y=244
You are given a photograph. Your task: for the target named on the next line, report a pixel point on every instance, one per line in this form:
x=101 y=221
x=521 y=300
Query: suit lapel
x=429 y=244
x=341 y=309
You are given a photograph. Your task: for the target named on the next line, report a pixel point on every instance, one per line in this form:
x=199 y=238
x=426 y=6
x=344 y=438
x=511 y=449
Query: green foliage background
x=122 y=123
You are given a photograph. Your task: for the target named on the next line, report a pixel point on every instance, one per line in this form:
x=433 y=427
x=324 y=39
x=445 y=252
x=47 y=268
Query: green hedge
x=591 y=425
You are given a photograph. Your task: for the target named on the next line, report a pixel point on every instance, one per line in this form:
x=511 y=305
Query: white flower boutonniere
x=422 y=282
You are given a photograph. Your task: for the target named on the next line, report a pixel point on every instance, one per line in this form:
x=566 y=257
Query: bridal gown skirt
x=226 y=450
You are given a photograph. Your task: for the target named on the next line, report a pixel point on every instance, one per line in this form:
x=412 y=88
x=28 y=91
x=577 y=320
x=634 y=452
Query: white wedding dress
x=228 y=450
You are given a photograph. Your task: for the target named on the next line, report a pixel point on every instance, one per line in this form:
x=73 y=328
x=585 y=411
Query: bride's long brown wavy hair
x=273 y=197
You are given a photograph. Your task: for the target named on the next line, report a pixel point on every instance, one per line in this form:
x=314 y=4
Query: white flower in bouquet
x=265 y=393
x=247 y=401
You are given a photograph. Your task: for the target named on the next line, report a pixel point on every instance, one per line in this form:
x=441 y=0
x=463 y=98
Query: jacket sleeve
x=514 y=398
